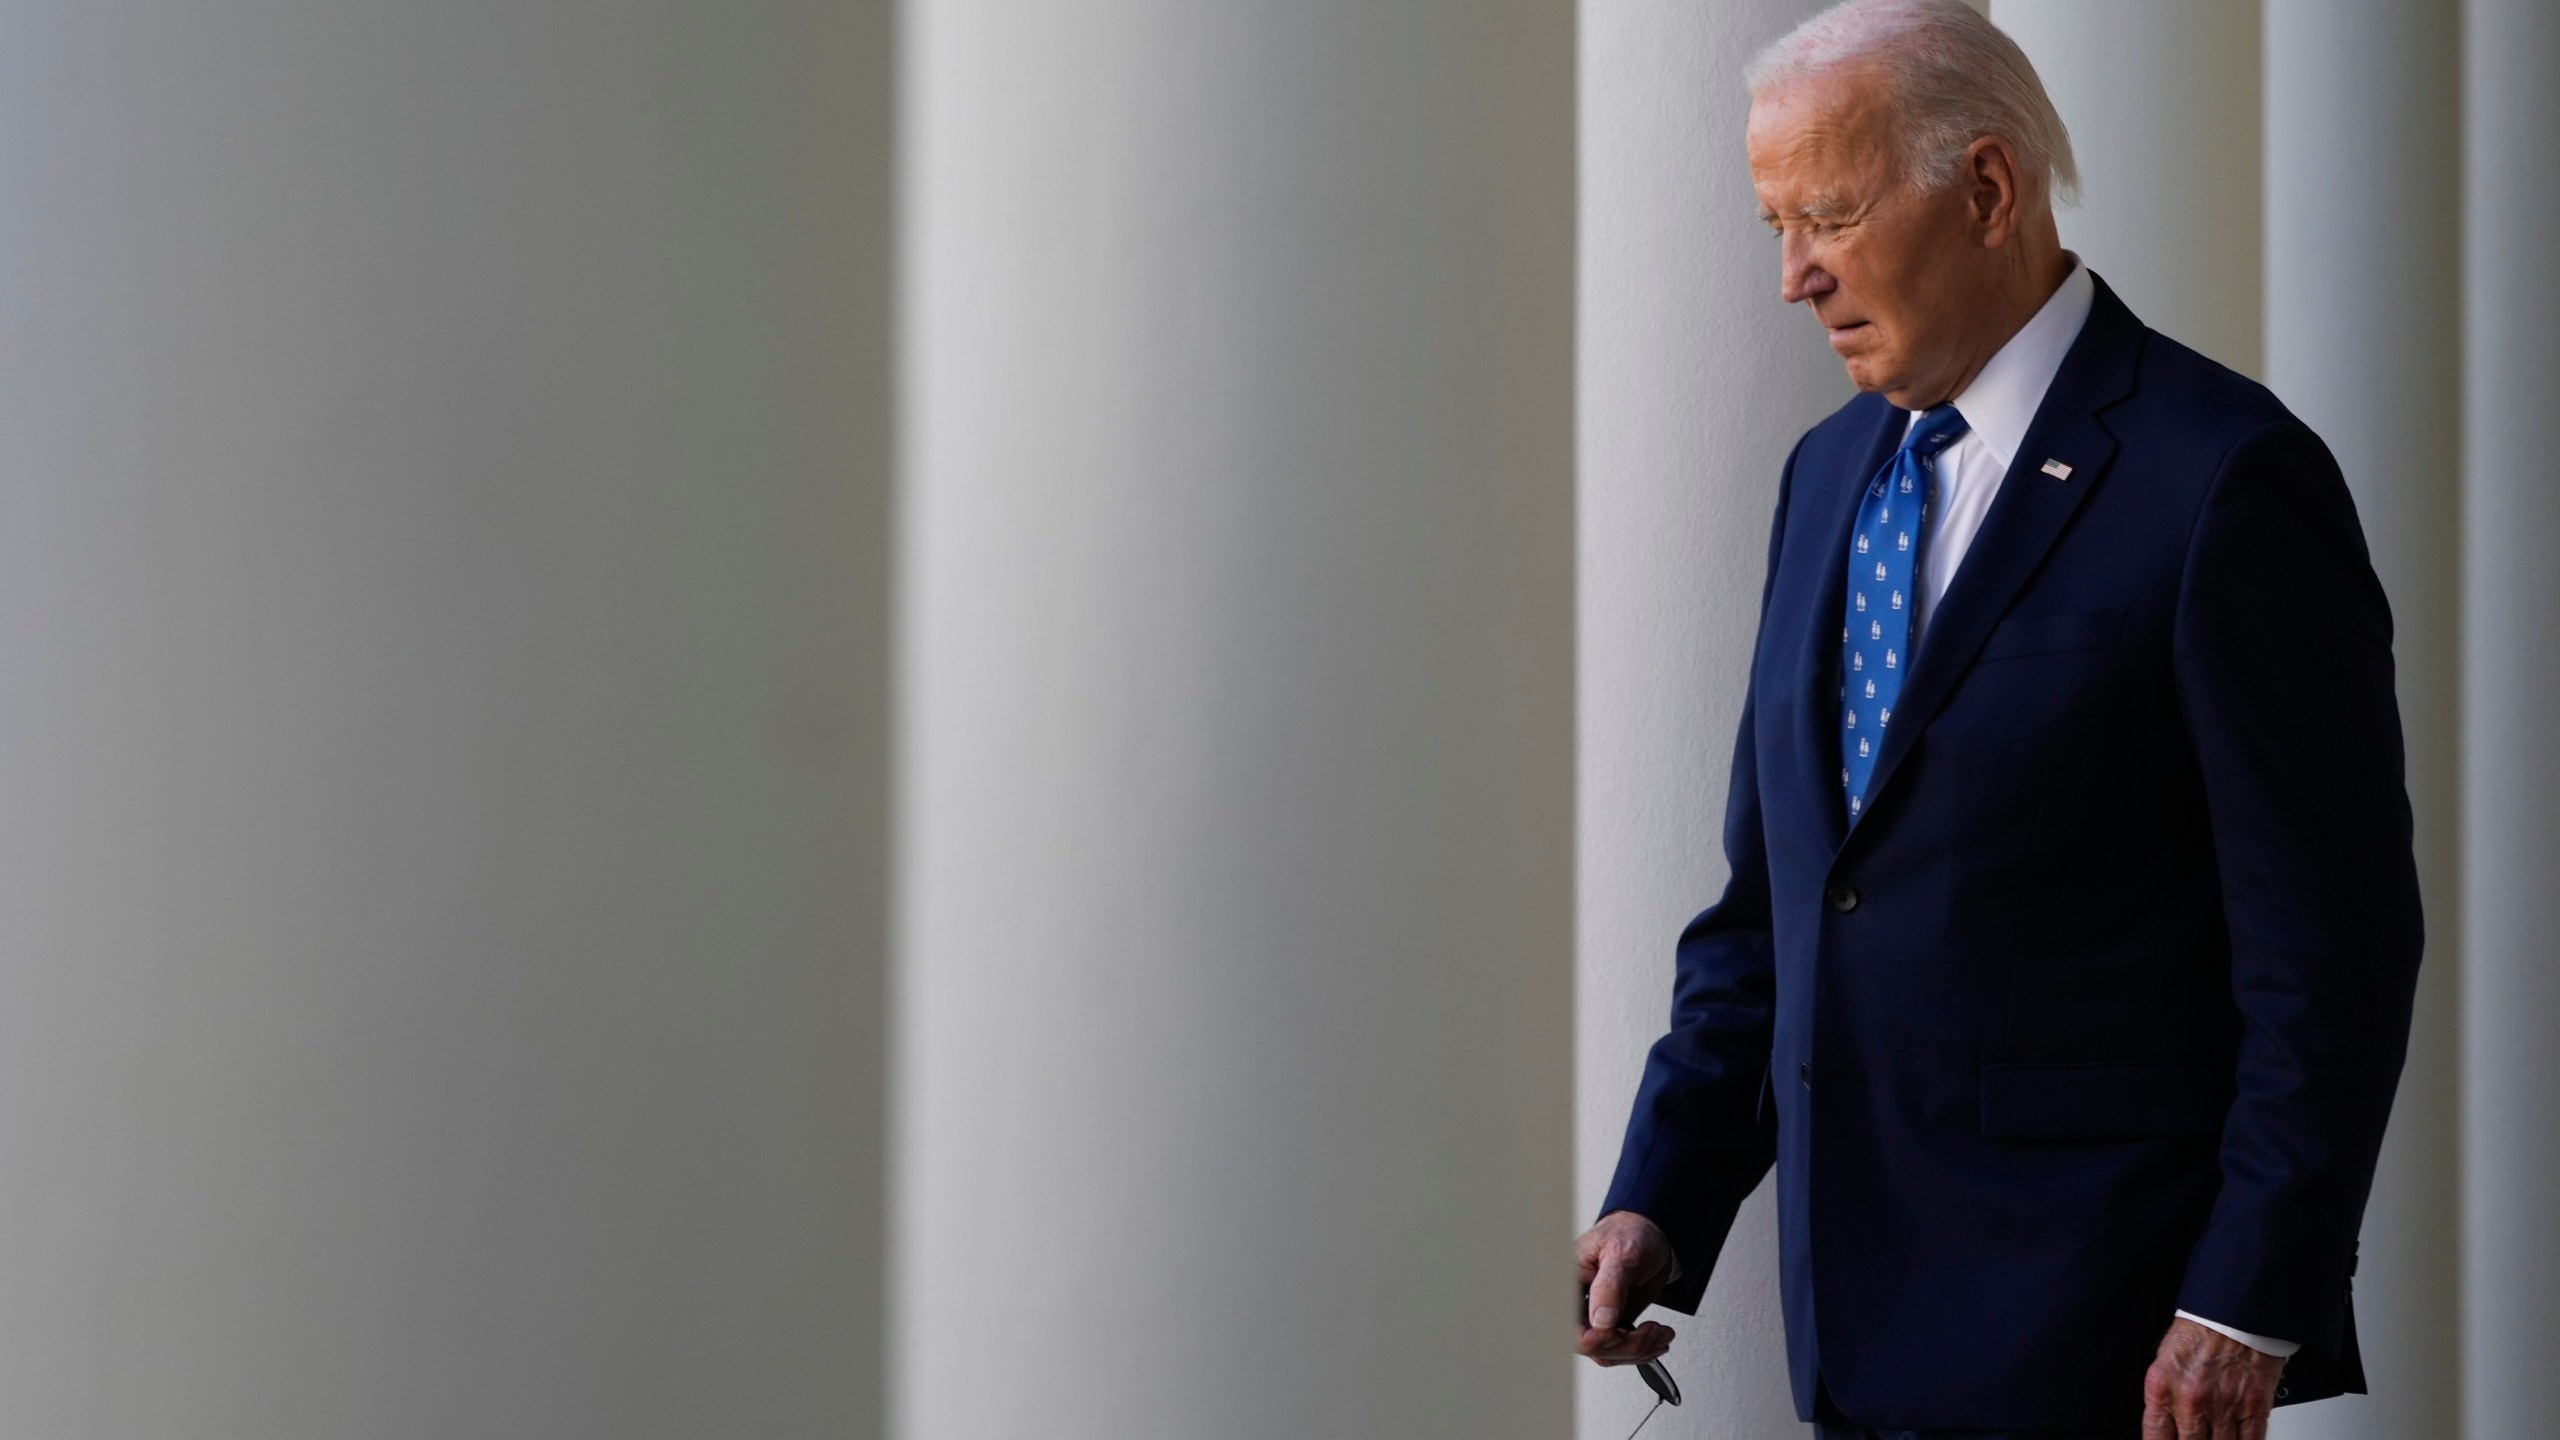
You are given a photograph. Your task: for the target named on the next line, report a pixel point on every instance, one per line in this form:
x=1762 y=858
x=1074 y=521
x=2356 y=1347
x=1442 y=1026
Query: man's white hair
x=1954 y=77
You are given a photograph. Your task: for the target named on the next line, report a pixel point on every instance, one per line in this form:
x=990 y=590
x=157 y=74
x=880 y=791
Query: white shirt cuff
x=2260 y=1343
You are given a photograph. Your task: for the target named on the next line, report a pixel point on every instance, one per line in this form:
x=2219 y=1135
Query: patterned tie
x=1884 y=563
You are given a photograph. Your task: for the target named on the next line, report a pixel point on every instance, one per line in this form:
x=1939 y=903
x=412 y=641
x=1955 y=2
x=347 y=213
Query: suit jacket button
x=1843 y=899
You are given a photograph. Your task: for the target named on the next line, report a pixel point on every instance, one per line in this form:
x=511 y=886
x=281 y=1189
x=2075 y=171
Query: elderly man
x=2065 y=966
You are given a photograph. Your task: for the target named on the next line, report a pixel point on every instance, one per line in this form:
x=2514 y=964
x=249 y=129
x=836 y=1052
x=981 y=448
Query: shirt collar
x=2002 y=400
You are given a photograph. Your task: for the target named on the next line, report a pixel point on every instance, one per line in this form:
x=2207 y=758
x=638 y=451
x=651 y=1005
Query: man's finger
x=1602 y=1344
x=2157 y=1390
x=2195 y=1416
x=1649 y=1341
x=1609 y=1290
x=1599 y=1343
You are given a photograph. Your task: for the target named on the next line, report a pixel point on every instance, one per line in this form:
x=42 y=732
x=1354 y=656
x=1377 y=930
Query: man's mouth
x=1840 y=335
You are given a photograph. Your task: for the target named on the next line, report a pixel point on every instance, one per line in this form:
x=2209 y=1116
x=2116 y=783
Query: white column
x=2511 y=775
x=1235 y=716
x=1694 y=381
x=442 y=619
x=2162 y=100
x=2363 y=316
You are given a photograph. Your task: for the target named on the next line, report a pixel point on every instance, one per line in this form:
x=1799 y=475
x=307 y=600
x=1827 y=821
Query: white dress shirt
x=1998 y=407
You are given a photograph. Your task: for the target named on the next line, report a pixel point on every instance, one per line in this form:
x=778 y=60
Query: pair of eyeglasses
x=1666 y=1391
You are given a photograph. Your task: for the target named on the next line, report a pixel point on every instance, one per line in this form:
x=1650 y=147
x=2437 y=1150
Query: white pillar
x=1236 y=720
x=2363 y=316
x=1694 y=381
x=443 y=571
x=2162 y=100
x=2511 y=659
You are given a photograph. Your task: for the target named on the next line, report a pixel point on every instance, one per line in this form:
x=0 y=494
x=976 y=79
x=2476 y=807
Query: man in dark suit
x=2065 y=965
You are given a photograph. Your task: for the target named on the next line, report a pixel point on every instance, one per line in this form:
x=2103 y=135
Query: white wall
x=440 y=601
x=2162 y=98
x=2511 y=688
x=1694 y=382
x=2363 y=124
x=1236 y=720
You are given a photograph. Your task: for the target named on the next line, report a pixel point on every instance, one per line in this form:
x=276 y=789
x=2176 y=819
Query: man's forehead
x=1836 y=111
x=1815 y=186
x=1815 y=141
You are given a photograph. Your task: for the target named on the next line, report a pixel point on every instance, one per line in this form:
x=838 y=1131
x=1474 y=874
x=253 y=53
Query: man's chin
x=1872 y=377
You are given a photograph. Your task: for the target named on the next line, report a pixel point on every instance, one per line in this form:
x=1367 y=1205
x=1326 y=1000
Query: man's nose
x=1799 y=278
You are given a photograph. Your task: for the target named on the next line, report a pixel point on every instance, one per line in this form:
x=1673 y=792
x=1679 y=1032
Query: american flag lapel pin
x=2057 y=470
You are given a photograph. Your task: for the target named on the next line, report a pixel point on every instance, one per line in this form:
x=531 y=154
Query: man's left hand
x=2207 y=1386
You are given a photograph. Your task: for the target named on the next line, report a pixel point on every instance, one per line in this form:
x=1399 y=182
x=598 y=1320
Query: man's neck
x=2022 y=292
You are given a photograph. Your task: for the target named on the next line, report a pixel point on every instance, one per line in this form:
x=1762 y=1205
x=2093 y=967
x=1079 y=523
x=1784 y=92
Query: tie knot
x=1938 y=427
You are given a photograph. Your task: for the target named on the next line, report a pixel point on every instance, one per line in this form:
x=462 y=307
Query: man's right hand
x=1625 y=1261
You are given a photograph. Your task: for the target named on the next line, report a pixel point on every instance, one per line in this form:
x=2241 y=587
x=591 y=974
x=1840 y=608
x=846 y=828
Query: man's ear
x=1991 y=186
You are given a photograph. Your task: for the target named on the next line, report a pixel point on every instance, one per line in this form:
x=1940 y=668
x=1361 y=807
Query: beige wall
x=442 y=563
x=2162 y=100
x=1236 y=720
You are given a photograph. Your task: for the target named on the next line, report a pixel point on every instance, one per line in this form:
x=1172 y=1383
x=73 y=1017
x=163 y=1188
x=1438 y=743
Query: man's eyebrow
x=1820 y=207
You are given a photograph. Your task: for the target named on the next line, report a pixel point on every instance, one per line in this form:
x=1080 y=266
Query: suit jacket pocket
x=2102 y=1100
x=2054 y=634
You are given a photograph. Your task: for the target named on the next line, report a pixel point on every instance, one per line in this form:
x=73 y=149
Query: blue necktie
x=1884 y=566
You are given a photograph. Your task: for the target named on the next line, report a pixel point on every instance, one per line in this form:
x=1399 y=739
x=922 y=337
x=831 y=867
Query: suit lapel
x=2029 y=514
x=1818 y=659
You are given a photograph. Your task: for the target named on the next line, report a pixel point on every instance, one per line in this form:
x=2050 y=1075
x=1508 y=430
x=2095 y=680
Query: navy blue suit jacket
x=2096 y=1012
